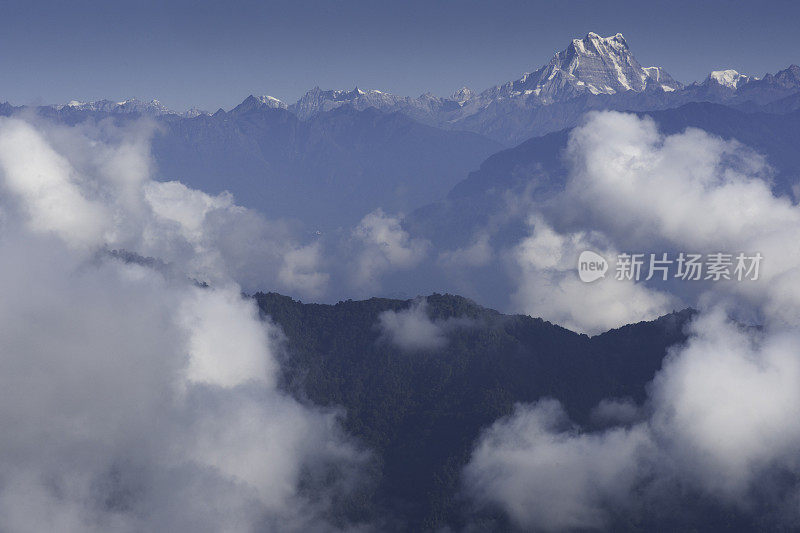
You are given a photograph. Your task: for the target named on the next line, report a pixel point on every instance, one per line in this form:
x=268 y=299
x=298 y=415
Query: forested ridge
x=421 y=411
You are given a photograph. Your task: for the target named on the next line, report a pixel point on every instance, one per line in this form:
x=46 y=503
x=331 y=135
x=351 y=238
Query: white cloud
x=616 y=411
x=300 y=269
x=221 y=322
x=412 y=329
x=691 y=192
x=48 y=188
x=187 y=208
x=728 y=404
x=90 y=184
x=384 y=246
x=722 y=418
x=545 y=265
x=134 y=400
x=548 y=477
x=691 y=188
x=477 y=254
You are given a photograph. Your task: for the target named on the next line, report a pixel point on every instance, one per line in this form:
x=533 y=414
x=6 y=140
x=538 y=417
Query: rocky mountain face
x=132 y=105
x=426 y=108
x=462 y=95
x=318 y=101
x=593 y=65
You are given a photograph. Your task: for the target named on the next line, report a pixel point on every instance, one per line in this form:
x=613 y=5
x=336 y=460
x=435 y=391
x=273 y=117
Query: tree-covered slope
x=421 y=411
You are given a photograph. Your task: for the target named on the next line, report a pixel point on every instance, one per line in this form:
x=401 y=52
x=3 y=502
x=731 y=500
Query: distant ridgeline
x=593 y=72
x=335 y=155
x=421 y=410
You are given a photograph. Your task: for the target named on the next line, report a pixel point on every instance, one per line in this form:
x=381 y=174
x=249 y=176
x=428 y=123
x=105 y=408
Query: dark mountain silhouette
x=420 y=412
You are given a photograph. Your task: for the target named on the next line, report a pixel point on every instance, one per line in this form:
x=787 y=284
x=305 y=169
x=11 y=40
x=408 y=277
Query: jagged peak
x=792 y=70
x=593 y=42
x=259 y=102
x=271 y=101
x=594 y=64
x=462 y=95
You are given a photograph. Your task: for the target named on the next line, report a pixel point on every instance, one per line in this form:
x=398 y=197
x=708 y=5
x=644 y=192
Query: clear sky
x=213 y=54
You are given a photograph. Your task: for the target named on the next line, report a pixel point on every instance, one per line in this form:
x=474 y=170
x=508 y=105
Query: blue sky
x=213 y=54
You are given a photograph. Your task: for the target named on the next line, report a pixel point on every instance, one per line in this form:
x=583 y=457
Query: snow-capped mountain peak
x=462 y=95
x=271 y=101
x=728 y=78
x=594 y=44
x=131 y=105
x=591 y=65
x=252 y=103
x=602 y=65
x=318 y=101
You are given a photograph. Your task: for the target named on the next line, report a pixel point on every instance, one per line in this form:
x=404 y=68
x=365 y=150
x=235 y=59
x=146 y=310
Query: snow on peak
x=462 y=95
x=728 y=78
x=319 y=101
x=592 y=65
x=595 y=44
x=595 y=64
x=256 y=103
x=130 y=105
x=271 y=101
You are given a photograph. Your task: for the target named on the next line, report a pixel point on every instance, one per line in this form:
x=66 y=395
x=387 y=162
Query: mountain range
x=335 y=155
x=590 y=73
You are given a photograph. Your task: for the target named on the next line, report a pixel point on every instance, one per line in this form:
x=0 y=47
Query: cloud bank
x=134 y=397
x=721 y=419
